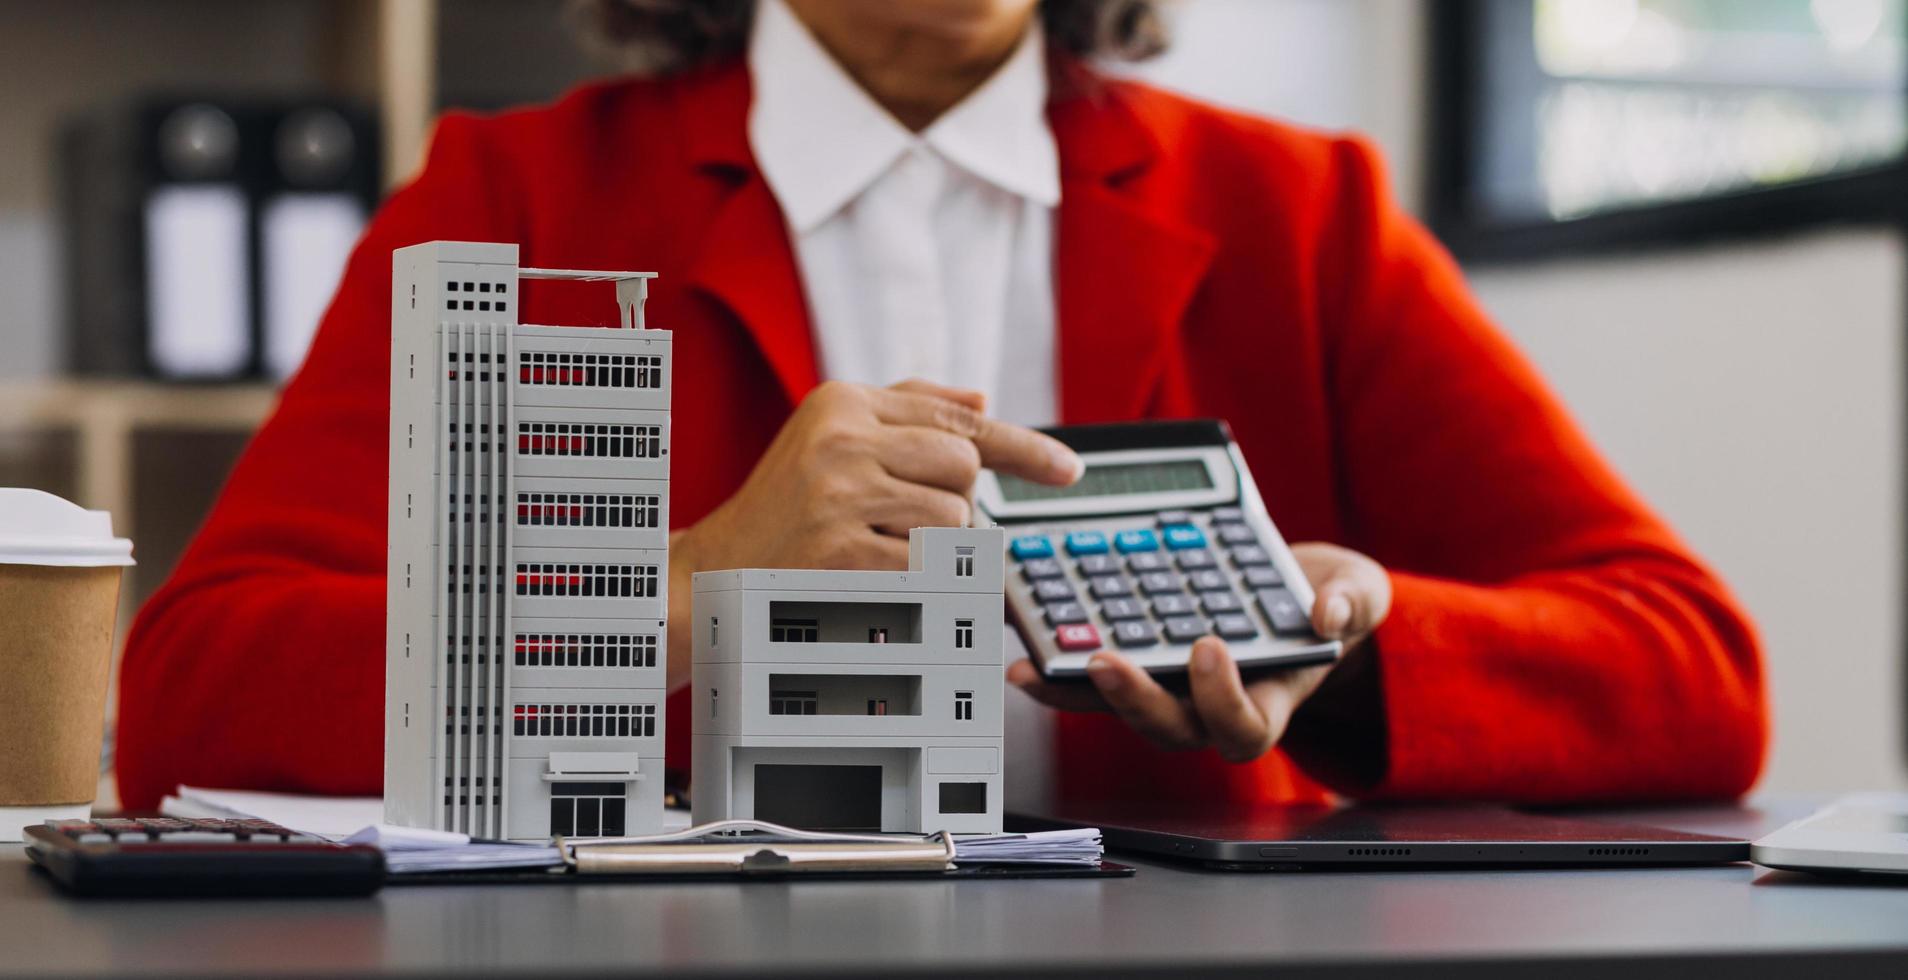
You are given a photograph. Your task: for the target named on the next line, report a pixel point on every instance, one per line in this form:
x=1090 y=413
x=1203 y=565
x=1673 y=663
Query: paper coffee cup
x=59 y=594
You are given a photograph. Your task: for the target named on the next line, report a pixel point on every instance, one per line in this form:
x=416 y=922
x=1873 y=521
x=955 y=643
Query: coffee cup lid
x=37 y=528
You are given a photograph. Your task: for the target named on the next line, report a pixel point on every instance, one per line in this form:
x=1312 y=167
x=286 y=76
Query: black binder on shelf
x=203 y=237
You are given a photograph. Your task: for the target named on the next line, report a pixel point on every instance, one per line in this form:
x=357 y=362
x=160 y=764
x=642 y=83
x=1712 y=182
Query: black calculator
x=1163 y=540
x=168 y=856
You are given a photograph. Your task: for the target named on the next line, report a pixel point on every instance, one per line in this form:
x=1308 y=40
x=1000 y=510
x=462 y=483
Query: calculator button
x=1086 y=543
x=1074 y=637
x=1053 y=590
x=1038 y=568
x=1283 y=612
x=1156 y=583
x=1117 y=609
x=1208 y=580
x=1179 y=537
x=1135 y=633
x=1194 y=558
x=1250 y=554
x=1093 y=565
x=1172 y=605
x=1167 y=518
x=1032 y=546
x=1235 y=534
x=1215 y=603
x=1184 y=629
x=1131 y=541
x=1234 y=626
x=1108 y=586
x=1061 y=613
x=1228 y=515
x=1262 y=576
x=1147 y=561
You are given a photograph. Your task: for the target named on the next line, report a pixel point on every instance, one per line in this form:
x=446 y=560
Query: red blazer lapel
x=1124 y=272
x=746 y=263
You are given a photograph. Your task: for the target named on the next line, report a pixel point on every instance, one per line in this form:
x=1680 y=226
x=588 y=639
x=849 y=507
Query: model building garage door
x=823 y=797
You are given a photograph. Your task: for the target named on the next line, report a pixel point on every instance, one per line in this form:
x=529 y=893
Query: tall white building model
x=854 y=700
x=528 y=557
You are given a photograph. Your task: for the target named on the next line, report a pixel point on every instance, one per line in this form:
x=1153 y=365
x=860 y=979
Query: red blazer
x=1549 y=639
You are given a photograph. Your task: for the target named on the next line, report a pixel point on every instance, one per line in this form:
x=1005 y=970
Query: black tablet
x=1304 y=838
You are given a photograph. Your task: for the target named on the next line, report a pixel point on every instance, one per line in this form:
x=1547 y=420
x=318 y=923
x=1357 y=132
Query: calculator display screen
x=1114 y=480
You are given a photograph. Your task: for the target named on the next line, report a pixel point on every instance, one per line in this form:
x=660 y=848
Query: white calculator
x=1162 y=540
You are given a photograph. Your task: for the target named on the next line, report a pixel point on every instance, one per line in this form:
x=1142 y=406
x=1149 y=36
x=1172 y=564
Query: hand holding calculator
x=1164 y=539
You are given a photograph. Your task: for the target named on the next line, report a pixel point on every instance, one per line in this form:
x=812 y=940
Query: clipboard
x=754 y=850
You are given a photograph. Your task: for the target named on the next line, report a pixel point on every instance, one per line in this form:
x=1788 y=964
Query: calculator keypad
x=1159 y=584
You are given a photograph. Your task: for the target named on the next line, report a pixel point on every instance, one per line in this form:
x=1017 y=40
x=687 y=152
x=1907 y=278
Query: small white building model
x=528 y=555
x=854 y=700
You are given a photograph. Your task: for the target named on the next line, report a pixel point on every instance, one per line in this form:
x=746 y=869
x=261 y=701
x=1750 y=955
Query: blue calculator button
x=1086 y=543
x=1032 y=546
x=1140 y=540
x=1182 y=536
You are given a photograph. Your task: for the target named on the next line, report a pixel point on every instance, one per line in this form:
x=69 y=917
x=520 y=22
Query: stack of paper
x=331 y=817
x=1080 y=846
x=408 y=850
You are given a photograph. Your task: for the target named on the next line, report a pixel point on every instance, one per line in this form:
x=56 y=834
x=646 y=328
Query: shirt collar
x=821 y=140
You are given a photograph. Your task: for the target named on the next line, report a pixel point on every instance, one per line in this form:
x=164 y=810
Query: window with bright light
x=1584 y=107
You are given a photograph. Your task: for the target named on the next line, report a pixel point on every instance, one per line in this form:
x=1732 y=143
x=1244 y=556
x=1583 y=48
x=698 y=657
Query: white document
x=1080 y=846
x=331 y=817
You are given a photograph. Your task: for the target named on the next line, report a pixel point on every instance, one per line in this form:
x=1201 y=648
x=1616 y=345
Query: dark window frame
x=1865 y=198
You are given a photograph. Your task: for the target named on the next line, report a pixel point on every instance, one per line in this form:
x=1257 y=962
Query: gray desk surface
x=1167 y=920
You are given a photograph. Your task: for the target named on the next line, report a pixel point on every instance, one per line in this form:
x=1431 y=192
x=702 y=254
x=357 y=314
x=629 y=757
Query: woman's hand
x=850 y=473
x=1240 y=720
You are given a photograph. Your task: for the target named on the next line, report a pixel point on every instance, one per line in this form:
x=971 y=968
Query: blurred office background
x=1689 y=212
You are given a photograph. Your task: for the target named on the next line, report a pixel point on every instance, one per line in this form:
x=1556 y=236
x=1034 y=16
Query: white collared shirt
x=922 y=255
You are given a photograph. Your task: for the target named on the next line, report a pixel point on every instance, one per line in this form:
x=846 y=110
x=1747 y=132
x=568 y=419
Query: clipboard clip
x=756 y=847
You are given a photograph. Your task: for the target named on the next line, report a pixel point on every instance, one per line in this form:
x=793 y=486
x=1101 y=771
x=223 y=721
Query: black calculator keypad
x=1184 y=575
x=1234 y=535
x=1172 y=605
x=1061 y=613
x=1142 y=562
x=1248 y=555
x=1234 y=626
x=1054 y=590
x=1208 y=580
x=1261 y=576
x=1184 y=629
x=1215 y=603
x=1036 y=569
x=1282 y=611
x=1194 y=558
x=1161 y=583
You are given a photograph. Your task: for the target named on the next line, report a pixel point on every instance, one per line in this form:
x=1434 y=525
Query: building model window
x=964 y=634
x=792 y=702
x=964 y=562
x=794 y=631
x=963 y=705
x=587 y=809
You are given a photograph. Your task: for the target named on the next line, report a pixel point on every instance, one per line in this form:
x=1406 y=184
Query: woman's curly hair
x=671 y=35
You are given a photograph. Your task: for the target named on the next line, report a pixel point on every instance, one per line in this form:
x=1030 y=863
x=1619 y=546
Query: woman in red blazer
x=1523 y=628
